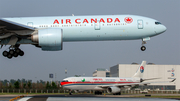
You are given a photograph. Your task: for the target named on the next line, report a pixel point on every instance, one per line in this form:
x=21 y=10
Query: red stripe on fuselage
x=66 y=83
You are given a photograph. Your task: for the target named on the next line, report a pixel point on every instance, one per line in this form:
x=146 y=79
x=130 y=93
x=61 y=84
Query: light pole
x=35 y=79
x=66 y=72
x=51 y=76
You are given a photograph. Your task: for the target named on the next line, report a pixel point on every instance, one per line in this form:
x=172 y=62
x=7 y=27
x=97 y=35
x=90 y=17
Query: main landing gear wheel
x=5 y=53
x=143 y=48
x=98 y=93
x=13 y=52
x=17 y=50
x=70 y=92
x=9 y=56
x=21 y=53
x=117 y=93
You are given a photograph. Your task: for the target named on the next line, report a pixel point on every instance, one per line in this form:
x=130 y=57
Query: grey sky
x=85 y=57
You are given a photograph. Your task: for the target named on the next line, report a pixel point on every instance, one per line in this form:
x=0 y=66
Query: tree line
x=28 y=84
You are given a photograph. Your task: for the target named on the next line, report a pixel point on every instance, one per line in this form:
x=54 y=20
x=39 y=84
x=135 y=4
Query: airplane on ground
x=49 y=33
x=113 y=85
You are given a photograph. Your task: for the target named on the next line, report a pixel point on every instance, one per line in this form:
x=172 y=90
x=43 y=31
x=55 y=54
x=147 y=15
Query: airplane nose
x=160 y=29
x=163 y=28
x=61 y=83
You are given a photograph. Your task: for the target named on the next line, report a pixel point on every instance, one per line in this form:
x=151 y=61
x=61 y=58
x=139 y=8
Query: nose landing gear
x=143 y=48
x=13 y=52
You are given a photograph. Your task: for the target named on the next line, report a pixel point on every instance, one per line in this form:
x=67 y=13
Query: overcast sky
x=85 y=57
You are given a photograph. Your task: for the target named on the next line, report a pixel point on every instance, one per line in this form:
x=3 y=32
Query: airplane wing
x=132 y=84
x=124 y=84
x=9 y=25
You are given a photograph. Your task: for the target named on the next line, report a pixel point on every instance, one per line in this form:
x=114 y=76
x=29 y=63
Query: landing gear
x=117 y=93
x=70 y=92
x=5 y=53
x=11 y=51
x=9 y=56
x=15 y=54
x=143 y=48
x=14 y=51
x=98 y=93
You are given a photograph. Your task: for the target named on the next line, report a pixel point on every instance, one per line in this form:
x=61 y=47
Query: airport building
x=151 y=71
x=100 y=72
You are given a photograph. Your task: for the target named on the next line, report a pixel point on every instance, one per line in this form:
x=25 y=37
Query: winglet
x=140 y=70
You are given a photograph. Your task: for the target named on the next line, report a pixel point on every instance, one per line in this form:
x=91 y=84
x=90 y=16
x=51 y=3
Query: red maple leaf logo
x=128 y=20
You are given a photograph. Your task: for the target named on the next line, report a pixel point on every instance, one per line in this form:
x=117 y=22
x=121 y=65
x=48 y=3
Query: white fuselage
x=95 y=83
x=94 y=28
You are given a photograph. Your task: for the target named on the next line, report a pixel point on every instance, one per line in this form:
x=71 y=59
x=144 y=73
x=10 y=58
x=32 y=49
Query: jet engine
x=113 y=90
x=49 y=39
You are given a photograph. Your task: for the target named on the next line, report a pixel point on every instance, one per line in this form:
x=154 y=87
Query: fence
x=151 y=92
x=67 y=91
x=32 y=91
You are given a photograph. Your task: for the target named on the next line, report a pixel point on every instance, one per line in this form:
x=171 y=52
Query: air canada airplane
x=49 y=33
x=113 y=85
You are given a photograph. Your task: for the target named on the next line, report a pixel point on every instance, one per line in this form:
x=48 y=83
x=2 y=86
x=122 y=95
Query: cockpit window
x=157 y=23
x=65 y=81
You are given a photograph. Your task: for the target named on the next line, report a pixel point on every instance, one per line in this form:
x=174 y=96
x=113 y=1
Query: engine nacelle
x=49 y=39
x=113 y=90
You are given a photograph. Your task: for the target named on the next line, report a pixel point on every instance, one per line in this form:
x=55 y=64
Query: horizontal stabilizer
x=173 y=80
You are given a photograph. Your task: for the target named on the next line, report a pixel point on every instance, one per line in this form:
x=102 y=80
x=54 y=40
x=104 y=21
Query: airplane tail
x=140 y=70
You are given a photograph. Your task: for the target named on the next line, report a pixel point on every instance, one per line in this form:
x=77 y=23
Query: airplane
x=113 y=85
x=49 y=33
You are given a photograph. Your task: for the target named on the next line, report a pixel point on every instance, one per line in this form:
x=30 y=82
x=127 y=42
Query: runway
x=93 y=99
x=86 y=97
x=7 y=97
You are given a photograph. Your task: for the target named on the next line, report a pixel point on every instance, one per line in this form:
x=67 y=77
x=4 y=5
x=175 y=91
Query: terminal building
x=100 y=72
x=164 y=72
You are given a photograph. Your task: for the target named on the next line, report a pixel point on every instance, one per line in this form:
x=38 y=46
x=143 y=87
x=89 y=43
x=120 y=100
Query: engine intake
x=49 y=39
x=113 y=90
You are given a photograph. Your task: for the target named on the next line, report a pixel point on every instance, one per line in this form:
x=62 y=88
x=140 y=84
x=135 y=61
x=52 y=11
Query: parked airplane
x=49 y=33
x=113 y=85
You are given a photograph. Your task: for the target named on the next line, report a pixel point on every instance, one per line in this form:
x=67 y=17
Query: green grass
x=152 y=96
